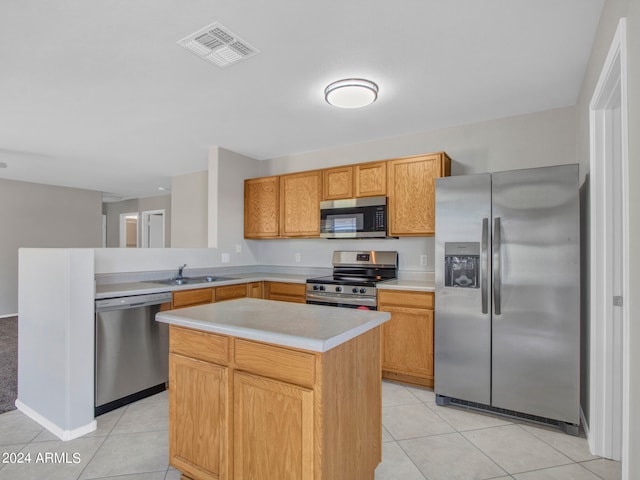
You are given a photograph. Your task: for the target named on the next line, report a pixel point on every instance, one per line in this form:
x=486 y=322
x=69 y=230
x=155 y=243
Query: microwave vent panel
x=218 y=45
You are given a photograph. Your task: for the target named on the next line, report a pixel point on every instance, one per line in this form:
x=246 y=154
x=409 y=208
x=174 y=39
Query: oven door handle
x=346 y=299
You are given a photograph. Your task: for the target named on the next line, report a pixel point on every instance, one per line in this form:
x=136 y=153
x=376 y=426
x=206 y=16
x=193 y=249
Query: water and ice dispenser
x=462 y=264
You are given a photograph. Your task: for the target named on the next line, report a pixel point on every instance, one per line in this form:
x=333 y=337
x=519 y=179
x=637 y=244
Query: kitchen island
x=261 y=389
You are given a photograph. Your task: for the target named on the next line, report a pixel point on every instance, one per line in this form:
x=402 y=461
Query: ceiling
x=97 y=94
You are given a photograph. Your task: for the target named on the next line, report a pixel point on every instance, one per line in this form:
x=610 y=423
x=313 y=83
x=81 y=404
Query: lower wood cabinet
x=198 y=430
x=246 y=410
x=407 y=339
x=285 y=292
x=229 y=292
x=272 y=429
x=196 y=296
x=255 y=290
x=202 y=296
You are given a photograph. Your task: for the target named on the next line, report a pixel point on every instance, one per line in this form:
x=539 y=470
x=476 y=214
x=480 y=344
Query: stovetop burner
x=354 y=279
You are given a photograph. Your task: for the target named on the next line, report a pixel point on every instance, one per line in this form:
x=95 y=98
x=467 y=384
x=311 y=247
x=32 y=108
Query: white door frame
x=609 y=205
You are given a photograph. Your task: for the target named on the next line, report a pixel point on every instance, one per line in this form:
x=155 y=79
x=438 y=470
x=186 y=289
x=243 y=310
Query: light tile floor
x=421 y=441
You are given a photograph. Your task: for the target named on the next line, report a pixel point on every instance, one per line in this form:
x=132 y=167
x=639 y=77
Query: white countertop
x=413 y=285
x=309 y=327
x=141 y=288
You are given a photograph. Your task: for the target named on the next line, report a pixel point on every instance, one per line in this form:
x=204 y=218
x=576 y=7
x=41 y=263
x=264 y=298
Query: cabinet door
x=407 y=342
x=255 y=289
x=229 y=292
x=198 y=418
x=261 y=206
x=338 y=183
x=273 y=429
x=300 y=195
x=188 y=298
x=285 y=292
x=371 y=179
x=411 y=189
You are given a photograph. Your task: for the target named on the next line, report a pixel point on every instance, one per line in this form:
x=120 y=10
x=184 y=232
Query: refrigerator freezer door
x=462 y=332
x=536 y=331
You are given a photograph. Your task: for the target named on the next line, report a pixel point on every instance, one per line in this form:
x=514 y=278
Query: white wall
x=633 y=39
x=613 y=10
x=535 y=140
x=35 y=215
x=55 y=351
x=189 y=209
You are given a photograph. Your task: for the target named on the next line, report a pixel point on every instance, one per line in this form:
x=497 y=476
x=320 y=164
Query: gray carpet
x=8 y=363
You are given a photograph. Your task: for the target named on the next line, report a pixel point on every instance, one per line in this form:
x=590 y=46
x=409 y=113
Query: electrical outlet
x=226 y=258
x=238 y=248
x=423 y=260
x=297 y=257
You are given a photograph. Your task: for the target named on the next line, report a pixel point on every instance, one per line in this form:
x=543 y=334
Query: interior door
x=462 y=331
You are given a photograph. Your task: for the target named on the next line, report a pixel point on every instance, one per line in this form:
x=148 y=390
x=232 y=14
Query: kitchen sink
x=192 y=280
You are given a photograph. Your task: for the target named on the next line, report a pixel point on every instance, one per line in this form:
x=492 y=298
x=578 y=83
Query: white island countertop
x=308 y=327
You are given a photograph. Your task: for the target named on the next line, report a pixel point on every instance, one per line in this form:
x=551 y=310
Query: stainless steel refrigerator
x=507 y=312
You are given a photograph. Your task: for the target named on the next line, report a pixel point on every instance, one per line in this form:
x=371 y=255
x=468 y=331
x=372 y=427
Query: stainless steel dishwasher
x=131 y=350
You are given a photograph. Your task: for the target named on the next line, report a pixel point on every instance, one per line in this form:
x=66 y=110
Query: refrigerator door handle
x=497 y=281
x=484 y=266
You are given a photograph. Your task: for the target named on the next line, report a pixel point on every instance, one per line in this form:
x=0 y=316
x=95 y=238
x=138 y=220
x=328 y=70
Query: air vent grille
x=218 y=45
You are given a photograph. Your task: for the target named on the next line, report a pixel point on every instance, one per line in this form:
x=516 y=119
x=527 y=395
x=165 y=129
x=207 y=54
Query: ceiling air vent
x=218 y=45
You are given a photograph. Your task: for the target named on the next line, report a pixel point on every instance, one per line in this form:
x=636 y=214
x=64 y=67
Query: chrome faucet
x=180 y=268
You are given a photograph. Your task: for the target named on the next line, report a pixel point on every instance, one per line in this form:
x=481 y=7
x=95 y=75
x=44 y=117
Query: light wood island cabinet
x=407 y=339
x=242 y=409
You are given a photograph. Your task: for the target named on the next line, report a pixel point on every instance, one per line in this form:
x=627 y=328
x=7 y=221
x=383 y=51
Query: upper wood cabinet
x=370 y=179
x=300 y=195
x=289 y=205
x=411 y=189
x=261 y=207
x=360 y=180
x=338 y=183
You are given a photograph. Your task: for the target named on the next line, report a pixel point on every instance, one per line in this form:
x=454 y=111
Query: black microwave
x=354 y=218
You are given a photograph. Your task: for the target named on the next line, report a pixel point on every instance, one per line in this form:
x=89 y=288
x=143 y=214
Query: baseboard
x=10 y=315
x=64 y=435
x=583 y=420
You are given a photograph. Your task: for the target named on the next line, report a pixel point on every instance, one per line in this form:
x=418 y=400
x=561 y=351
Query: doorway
x=609 y=315
x=129 y=230
x=153 y=229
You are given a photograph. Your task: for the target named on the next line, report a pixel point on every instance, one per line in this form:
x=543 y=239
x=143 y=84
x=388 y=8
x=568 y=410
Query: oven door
x=345 y=301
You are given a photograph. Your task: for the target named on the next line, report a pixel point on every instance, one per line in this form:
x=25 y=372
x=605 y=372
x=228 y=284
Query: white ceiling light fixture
x=351 y=93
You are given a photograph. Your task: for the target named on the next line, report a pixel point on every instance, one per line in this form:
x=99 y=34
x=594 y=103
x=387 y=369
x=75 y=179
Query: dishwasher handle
x=134 y=301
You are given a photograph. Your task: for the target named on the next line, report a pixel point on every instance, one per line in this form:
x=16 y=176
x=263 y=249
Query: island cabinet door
x=198 y=418
x=273 y=430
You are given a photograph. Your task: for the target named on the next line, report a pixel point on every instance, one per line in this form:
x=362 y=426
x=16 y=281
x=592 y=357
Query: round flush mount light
x=351 y=93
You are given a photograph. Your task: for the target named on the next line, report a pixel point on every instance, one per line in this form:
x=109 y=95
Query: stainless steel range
x=354 y=279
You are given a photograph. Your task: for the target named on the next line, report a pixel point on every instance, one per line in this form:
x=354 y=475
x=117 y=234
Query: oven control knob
x=322 y=288
x=338 y=289
x=315 y=287
x=363 y=290
x=355 y=290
